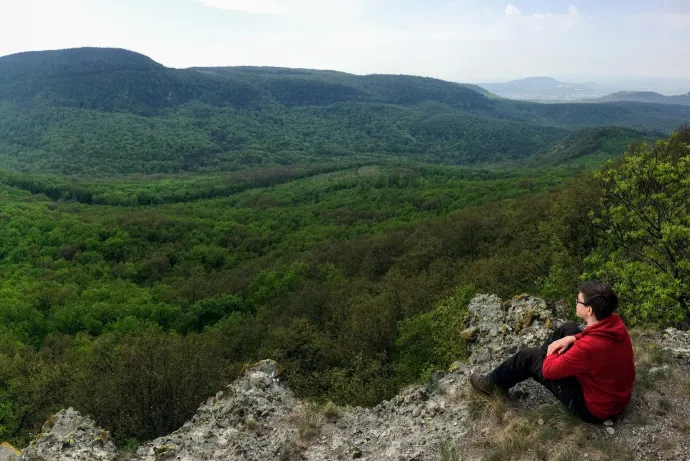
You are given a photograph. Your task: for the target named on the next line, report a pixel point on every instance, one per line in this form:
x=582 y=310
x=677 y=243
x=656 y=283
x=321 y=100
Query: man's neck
x=591 y=321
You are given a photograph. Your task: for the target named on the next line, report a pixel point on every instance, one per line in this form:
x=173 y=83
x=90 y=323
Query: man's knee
x=530 y=355
x=531 y=360
x=568 y=329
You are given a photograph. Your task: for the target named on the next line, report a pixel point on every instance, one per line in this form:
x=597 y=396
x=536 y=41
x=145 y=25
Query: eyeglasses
x=577 y=301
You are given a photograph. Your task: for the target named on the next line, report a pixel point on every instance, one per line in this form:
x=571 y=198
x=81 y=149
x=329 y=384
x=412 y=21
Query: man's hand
x=560 y=346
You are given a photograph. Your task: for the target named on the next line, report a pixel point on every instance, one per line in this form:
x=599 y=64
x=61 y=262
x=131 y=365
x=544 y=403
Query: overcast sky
x=459 y=40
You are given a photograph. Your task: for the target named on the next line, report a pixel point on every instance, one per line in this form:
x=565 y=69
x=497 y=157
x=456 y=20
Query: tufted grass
x=449 y=452
x=504 y=431
x=330 y=411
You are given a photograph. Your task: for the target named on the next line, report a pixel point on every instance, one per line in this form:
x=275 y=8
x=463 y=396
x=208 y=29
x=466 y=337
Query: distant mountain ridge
x=645 y=97
x=100 y=111
x=548 y=89
x=543 y=89
x=31 y=64
x=111 y=80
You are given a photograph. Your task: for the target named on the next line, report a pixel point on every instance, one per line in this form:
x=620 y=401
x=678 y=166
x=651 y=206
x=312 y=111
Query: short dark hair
x=600 y=297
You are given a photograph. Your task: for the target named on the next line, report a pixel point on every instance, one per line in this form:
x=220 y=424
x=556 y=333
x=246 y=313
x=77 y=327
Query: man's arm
x=570 y=363
x=560 y=346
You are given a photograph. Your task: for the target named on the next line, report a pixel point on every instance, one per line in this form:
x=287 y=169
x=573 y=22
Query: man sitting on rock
x=592 y=371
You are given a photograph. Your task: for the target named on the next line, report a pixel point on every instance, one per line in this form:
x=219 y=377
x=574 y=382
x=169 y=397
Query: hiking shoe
x=484 y=384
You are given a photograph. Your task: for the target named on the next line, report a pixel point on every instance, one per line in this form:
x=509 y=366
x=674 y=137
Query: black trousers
x=527 y=363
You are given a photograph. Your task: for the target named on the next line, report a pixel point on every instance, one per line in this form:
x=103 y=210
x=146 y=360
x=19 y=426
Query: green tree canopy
x=645 y=220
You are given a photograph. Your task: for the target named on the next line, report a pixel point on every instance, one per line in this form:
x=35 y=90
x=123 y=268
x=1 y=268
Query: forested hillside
x=589 y=147
x=103 y=112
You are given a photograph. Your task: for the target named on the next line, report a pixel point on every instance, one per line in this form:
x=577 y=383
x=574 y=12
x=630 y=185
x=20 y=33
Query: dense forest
x=356 y=280
x=317 y=218
x=319 y=273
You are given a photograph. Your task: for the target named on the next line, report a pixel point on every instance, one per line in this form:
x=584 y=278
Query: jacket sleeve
x=573 y=362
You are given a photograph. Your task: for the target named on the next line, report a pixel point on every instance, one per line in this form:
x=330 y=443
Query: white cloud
x=250 y=6
x=304 y=10
x=540 y=22
x=512 y=11
x=573 y=16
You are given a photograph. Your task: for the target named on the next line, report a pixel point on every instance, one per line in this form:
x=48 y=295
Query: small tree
x=431 y=341
x=645 y=219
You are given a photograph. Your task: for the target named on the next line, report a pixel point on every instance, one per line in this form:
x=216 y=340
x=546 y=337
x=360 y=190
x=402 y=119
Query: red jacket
x=602 y=361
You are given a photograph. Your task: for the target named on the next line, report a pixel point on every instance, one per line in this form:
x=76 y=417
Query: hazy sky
x=460 y=40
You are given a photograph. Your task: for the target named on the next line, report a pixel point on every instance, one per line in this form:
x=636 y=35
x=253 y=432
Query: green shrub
x=431 y=341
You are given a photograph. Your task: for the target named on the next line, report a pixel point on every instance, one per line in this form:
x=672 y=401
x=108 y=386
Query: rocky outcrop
x=69 y=436
x=677 y=343
x=248 y=420
x=499 y=329
x=258 y=418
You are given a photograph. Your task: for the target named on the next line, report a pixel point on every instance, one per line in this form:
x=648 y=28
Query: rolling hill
x=101 y=112
x=111 y=80
x=589 y=146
